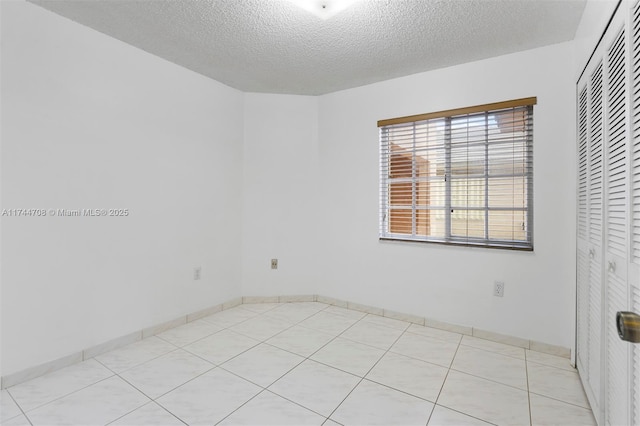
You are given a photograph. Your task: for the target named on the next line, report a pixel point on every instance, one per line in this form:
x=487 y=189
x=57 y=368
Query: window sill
x=460 y=244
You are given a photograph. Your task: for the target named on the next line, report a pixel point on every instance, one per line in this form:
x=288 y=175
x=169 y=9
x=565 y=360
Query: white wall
x=90 y=122
x=312 y=201
x=281 y=207
x=454 y=284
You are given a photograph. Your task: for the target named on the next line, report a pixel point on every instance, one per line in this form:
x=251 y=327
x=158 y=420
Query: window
x=462 y=176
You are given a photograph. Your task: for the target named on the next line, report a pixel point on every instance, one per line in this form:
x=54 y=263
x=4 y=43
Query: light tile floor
x=304 y=364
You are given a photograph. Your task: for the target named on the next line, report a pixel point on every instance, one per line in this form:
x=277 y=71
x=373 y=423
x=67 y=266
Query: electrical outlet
x=197 y=273
x=274 y=263
x=498 y=288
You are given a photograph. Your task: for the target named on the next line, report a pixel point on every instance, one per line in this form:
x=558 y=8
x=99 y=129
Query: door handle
x=628 y=324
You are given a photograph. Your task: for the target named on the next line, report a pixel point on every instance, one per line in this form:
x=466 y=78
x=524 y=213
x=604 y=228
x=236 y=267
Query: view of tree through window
x=463 y=178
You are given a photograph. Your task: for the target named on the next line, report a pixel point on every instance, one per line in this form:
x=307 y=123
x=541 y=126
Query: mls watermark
x=65 y=213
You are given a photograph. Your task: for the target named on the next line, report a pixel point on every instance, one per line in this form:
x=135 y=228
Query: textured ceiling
x=273 y=46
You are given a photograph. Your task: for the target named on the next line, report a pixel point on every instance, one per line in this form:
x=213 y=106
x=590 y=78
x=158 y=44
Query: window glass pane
x=400 y=221
x=508 y=192
x=467 y=161
x=400 y=194
x=507 y=225
x=467 y=223
x=429 y=134
x=430 y=162
x=507 y=123
x=400 y=162
x=507 y=159
x=468 y=130
x=467 y=193
x=430 y=222
x=430 y=192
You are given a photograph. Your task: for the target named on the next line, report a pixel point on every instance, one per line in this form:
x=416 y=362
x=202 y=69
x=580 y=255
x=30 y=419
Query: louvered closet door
x=634 y=211
x=582 y=353
x=608 y=228
x=616 y=351
x=591 y=110
x=635 y=368
x=594 y=236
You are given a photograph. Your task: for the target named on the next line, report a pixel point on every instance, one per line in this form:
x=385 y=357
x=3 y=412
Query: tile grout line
x=506 y=384
x=435 y=337
x=435 y=403
x=264 y=341
x=175 y=348
x=562 y=401
x=571 y=370
x=526 y=371
x=228 y=371
x=362 y=319
x=444 y=382
x=214 y=366
x=308 y=358
x=226 y=360
x=19 y=408
x=117 y=375
x=261 y=341
x=266 y=389
x=202 y=338
x=227 y=328
x=208 y=335
x=262 y=390
x=297 y=403
x=488 y=380
x=155 y=400
x=62 y=396
x=143 y=393
x=490 y=350
x=368 y=371
x=246 y=350
x=162 y=407
x=170 y=390
x=557 y=398
x=467 y=415
x=144 y=405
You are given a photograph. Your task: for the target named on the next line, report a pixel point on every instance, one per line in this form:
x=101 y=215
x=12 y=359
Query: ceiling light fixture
x=324 y=9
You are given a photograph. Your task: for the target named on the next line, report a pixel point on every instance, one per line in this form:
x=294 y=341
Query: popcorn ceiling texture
x=273 y=46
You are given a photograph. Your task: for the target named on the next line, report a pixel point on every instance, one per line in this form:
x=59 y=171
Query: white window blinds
x=460 y=177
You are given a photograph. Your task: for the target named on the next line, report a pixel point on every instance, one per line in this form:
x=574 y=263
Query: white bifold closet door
x=616 y=351
x=583 y=251
x=589 y=247
x=608 y=219
x=633 y=272
x=596 y=174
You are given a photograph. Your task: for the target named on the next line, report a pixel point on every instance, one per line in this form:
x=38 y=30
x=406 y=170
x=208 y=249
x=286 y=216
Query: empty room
x=320 y=212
